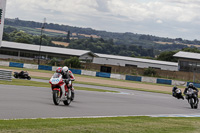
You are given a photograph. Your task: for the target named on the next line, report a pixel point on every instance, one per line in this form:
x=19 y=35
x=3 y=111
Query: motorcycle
x=22 y=75
x=192 y=98
x=178 y=94
x=57 y=85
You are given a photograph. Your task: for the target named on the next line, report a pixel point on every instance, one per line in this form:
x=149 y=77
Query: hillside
x=126 y=43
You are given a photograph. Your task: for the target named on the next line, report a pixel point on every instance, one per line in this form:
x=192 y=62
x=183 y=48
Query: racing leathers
x=68 y=77
x=192 y=87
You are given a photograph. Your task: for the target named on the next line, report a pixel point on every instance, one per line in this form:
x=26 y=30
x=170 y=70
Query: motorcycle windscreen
x=56 y=75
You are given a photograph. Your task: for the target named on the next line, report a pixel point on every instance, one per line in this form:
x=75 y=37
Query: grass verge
x=22 y=82
x=103 y=125
x=76 y=75
x=113 y=86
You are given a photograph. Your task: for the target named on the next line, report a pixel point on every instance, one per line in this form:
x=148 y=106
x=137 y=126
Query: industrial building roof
x=187 y=55
x=75 y=52
x=136 y=59
x=48 y=49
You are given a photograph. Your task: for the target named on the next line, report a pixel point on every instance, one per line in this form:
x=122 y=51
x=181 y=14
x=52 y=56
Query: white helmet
x=65 y=69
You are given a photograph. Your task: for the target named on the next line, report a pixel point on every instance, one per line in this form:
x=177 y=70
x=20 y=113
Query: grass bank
x=103 y=125
x=114 y=86
x=22 y=82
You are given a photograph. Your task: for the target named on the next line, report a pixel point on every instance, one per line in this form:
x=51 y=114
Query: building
x=188 y=62
x=29 y=51
x=134 y=62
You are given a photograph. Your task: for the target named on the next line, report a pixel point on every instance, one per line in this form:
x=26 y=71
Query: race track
x=36 y=102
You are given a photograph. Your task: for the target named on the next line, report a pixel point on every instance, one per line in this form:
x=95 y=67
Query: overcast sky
x=164 y=18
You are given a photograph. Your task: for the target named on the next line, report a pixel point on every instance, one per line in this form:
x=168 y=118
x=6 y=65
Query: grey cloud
x=102 y=5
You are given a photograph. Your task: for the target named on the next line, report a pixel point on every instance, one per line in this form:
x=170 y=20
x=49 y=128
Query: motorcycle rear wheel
x=69 y=96
x=16 y=76
x=56 y=98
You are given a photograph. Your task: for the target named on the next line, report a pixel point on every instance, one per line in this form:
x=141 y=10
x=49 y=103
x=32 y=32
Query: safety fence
x=5 y=75
x=102 y=74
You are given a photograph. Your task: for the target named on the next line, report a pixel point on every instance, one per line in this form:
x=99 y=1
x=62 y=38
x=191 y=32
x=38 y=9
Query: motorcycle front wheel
x=72 y=98
x=56 y=97
x=191 y=101
x=29 y=78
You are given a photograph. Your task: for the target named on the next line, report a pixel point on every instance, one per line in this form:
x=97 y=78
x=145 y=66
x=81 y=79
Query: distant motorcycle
x=178 y=94
x=22 y=75
x=57 y=84
x=193 y=100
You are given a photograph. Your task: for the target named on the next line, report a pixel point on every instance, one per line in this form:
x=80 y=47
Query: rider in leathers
x=68 y=76
x=192 y=87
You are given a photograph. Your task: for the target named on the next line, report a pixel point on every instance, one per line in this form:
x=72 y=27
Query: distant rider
x=174 y=93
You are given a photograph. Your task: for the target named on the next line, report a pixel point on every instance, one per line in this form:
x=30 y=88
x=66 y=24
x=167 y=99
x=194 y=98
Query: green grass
x=97 y=84
x=122 y=87
x=93 y=89
x=77 y=75
x=102 y=125
x=113 y=86
x=22 y=82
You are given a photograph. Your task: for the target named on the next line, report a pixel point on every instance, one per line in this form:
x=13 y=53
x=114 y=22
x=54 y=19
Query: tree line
x=146 y=41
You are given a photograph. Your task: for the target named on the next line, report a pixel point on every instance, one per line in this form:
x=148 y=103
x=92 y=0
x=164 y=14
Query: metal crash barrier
x=6 y=75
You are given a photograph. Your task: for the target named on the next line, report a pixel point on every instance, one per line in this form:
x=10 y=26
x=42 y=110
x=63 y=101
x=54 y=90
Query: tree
x=73 y=62
x=149 y=72
x=167 y=56
x=54 y=62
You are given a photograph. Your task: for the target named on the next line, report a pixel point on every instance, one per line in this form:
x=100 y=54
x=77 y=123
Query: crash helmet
x=65 y=69
x=175 y=87
x=190 y=85
x=59 y=70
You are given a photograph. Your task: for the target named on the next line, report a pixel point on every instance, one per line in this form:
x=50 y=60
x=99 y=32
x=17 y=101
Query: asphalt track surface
x=19 y=102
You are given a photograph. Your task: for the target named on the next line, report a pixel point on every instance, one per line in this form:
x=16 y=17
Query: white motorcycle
x=58 y=87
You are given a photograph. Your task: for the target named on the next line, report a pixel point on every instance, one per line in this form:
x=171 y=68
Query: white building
x=134 y=62
x=30 y=51
x=188 y=61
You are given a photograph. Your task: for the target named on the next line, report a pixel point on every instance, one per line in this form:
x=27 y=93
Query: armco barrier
x=195 y=84
x=101 y=74
x=89 y=73
x=164 y=81
x=149 y=79
x=4 y=63
x=41 y=67
x=117 y=76
x=14 y=64
x=54 y=68
x=30 y=66
x=179 y=83
x=5 y=75
x=75 y=71
x=133 y=78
